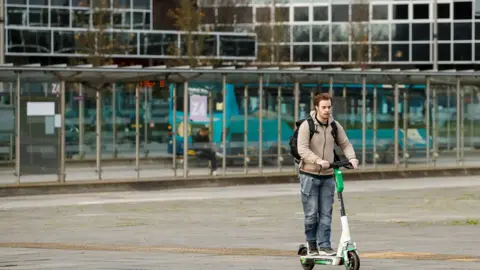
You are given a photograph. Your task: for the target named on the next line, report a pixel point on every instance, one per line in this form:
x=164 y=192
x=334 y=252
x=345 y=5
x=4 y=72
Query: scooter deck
x=323 y=259
x=319 y=256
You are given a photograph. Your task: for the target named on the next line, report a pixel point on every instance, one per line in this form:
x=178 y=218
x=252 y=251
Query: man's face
x=324 y=109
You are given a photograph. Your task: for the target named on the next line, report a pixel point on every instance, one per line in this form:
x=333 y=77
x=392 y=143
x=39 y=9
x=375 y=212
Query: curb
x=45 y=188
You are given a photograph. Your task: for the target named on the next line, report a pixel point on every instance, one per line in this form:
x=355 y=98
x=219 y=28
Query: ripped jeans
x=317 y=194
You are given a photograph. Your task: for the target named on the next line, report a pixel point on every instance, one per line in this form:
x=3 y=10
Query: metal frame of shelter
x=245 y=75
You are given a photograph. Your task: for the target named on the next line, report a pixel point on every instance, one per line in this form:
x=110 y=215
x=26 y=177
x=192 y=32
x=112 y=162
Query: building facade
x=373 y=32
x=55 y=30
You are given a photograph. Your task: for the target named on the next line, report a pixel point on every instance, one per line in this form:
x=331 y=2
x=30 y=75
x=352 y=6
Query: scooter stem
x=339 y=183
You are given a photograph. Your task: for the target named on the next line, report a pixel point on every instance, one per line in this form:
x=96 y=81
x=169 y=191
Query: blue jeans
x=317 y=199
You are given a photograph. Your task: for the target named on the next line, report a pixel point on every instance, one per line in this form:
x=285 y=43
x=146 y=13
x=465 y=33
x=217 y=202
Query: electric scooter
x=347 y=253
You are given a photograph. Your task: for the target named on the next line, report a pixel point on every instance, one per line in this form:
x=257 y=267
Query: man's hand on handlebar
x=348 y=164
x=354 y=162
x=324 y=164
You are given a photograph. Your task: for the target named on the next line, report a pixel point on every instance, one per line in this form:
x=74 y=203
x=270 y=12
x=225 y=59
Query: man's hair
x=320 y=97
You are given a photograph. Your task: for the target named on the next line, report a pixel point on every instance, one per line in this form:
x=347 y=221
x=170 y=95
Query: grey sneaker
x=312 y=249
x=328 y=251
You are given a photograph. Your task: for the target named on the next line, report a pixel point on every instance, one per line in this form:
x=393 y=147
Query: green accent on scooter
x=322 y=262
x=339 y=178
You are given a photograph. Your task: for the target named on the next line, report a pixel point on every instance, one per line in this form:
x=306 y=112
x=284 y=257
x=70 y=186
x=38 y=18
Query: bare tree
x=98 y=42
x=359 y=36
x=273 y=33
x=188 y=18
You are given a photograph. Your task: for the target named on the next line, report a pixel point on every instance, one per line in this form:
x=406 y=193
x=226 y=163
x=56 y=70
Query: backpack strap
x=334 y=134
x=334 y=131
x=311 y=126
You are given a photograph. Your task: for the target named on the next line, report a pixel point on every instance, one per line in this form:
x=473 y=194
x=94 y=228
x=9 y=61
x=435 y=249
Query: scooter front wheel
x=307 y=264
x=353 y=261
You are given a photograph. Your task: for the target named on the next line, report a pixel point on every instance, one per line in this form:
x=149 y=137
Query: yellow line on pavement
x=233 y=251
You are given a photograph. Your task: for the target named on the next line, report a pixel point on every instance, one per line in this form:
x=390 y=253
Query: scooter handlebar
x=342 y=163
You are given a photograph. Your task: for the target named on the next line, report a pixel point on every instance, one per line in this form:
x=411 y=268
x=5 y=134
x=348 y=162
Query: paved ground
x=419 y=223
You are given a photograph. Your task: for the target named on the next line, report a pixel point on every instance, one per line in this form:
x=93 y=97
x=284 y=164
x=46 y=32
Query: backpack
x=294 y=138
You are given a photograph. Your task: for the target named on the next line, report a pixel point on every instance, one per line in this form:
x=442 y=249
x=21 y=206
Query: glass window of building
x=444 y=31
x=38 y=17
x=64 y=42
x=462 y=31
x=400 y=52
x=141 y=20
x=339 y=13
x=320 y=33
x=462 y=52
x=400 y=32
x=141 y=4
x=282 y=53
x=360 y=12
x=340 y=32
x=17 y=16
x=400 y=11
x=420 y=52
x=301 y=33
x=17 y=2
x=121 y=19
x=29 y=41
x=209 y=15
x=380 y=52
x=264 y=33
x=380 y=32
x=243 y=14
x=320 y=53
x=263 y=14
x=380 y=12
x=59 y=17
x=444 y=52
x=320 y=13
x=282 y=14
x=462 y=10
x=60 y=3
x=340 y=53
x=477 y=31
x=421 y=11
x=80 y=18
x=477 y=49
x=443 y=11
x=359 y=53
x=281 y=33
x=80 y=3
x=225 y=15
x=38 y=2
x=122 y=4
x=301 y=53
x=301 y=14
x=420 y=31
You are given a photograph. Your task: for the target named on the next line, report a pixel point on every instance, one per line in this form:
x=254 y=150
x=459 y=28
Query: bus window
x=202 y=91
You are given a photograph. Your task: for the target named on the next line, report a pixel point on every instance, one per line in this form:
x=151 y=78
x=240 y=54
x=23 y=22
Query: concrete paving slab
x=424 y=223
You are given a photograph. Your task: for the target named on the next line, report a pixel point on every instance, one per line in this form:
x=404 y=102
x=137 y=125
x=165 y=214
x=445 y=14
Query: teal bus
x=348 y=111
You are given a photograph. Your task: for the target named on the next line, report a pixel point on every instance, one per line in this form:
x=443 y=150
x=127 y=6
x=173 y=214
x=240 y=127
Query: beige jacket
x=321 y=146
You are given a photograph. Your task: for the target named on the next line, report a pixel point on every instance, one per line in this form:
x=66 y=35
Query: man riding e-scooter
x=316 y=178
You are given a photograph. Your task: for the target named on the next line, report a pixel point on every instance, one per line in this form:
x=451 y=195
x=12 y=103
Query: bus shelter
x=247 y=112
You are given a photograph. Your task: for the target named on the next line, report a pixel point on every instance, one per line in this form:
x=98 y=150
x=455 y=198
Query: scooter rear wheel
x=353 y=261
x=309 y=264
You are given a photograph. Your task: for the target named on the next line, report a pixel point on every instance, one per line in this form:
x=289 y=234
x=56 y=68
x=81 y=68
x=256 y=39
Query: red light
x=162 y=83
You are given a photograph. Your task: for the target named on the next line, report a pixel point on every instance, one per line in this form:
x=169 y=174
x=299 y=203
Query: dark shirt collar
x=320 y=123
